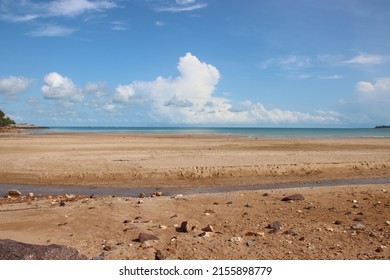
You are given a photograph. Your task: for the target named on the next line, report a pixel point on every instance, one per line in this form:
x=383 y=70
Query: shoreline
x=348 y=221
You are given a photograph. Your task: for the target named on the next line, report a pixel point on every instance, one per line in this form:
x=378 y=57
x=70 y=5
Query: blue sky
x=301 y=63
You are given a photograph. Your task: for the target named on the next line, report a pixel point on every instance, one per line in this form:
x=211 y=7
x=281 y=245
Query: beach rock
x=188 y=226
x=290 y=232
x=31 y=195
x=275 y=226
x=236 y=239
x=357 y=219
x=99 y=257
x=143 y=237
x=158 y=255
x=250 y=243
x=337 y=222
x=209 y=228
x=388 y=223
x=379 y=250
x=14 y=193
x=62 y=203
x=358 y=226
x=293 y=197
x=142 y=195
x=14 y=250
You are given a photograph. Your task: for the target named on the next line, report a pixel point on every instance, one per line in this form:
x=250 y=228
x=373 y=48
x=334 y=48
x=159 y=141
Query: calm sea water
x=235 y=131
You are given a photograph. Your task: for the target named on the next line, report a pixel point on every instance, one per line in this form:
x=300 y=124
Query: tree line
x=4 y=120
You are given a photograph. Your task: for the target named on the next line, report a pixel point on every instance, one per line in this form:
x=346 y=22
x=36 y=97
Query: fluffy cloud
x=374 y=92
x=60 y=87
x=190 y=98
x=183 y=6
x=13 y=85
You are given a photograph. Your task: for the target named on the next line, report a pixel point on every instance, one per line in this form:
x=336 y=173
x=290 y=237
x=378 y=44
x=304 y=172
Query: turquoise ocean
x=233 y=131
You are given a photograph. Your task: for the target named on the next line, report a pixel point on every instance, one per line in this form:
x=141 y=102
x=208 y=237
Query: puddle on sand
x=170 y=191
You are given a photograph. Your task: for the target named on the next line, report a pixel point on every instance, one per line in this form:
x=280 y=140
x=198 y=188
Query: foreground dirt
x=344 y=222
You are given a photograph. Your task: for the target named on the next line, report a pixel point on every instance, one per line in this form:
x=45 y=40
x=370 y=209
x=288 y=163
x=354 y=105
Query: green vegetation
x=4 y=120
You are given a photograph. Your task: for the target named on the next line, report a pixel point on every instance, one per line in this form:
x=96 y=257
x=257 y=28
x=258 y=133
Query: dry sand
x=325 y=225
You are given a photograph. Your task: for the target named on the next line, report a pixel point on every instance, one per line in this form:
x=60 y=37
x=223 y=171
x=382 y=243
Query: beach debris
x=188 y=226
x=209 y=211
x=14 y=193
x=358 y=226
x=179 y=196
x=143 y=237
x=208 y=228
x=14 y=250
x=236 y=239
x=293 y=197
x=274 y=226
x=162 y=227
x=354 y=201
x=70 y=196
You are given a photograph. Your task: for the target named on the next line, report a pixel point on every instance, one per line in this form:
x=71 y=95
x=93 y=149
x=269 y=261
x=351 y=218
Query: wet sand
x=340 y=222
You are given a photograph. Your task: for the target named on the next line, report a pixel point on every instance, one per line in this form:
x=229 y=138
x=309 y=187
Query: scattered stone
x=159 y=193
x=62 y=203
x=205 y=234
x=31 y=195
x=162 y=227
x=63 y=224
x=140 y=202
x=107 y=247
x=379 y=250
x=229 y=203
x=388 y=223
x=251 y=233
x=302 y=238
x=188 y=226
x=248 y=205
x=158 y=255
x=179 y=196
x=236 y=239
x=209 y=211
x=361 y=213
x=358 y=226
x=290 y=232
x=357 y=219
x=329 y=229
x=348 y=213
x=14 y=193
x=250 y=243
x=337 y=222
x=354 y=201
x=142 y=195
x=99 y=257
x=127 y=221
x=70 y=196
x=356 y=206
x=293 y=197
x=265 y=194
x=209 y=228
x=143 y=237
x=14 y=250
x=275 y=226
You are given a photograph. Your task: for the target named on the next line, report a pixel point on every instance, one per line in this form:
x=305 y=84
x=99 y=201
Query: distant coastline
x=382 y=126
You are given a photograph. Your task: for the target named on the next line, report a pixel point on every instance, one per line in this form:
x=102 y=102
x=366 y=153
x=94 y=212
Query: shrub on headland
x=4 y=120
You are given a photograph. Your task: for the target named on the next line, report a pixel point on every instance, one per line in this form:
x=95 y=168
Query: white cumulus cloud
x=60 y=87
x=14 y=85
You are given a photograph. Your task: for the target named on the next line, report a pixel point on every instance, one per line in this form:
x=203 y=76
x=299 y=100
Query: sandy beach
x=341 y=222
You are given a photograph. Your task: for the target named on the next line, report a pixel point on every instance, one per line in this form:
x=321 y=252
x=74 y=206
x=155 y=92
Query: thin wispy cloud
x=367 y=59
x=52 y=31
x=182 y=6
